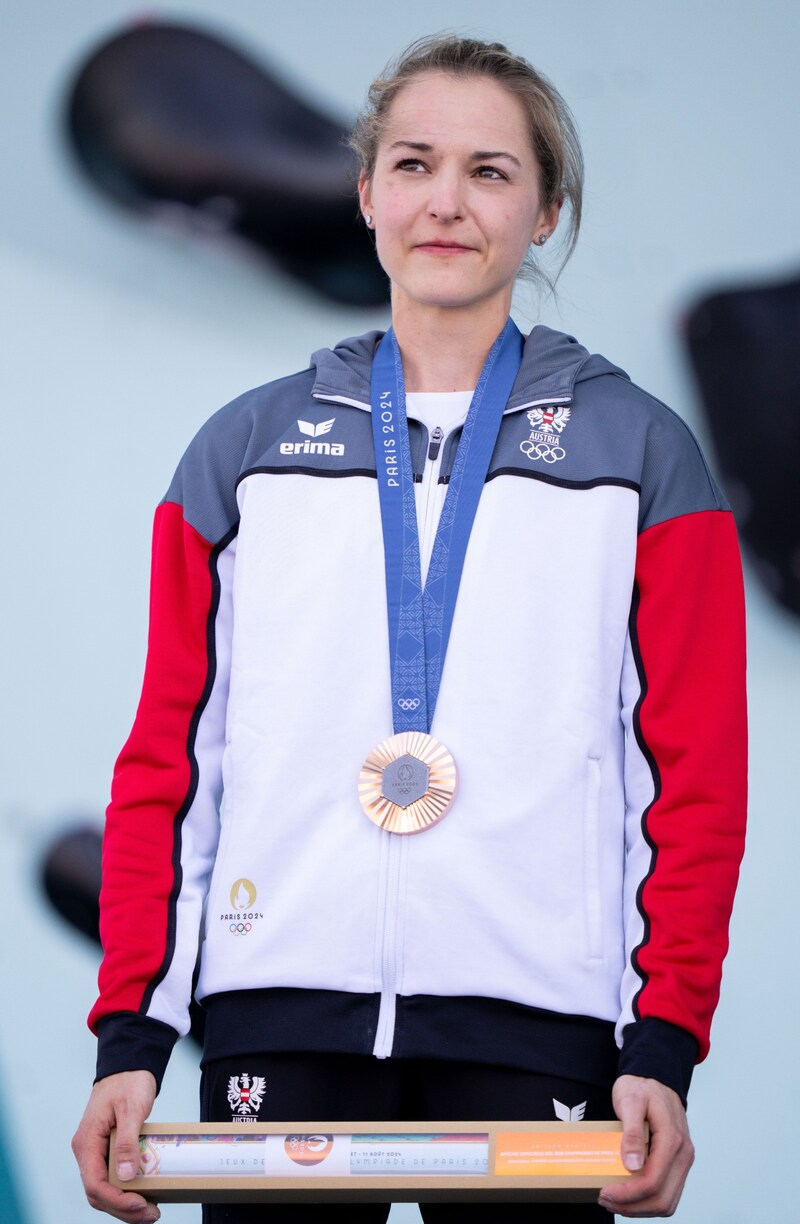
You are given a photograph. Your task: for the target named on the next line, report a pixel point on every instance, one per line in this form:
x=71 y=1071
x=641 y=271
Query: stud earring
x=368 y=219
x=542 y=239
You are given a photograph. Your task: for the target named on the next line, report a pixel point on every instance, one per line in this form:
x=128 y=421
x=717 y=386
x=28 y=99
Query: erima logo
x=316 y=431
x=565 y=1114
x=313 y=448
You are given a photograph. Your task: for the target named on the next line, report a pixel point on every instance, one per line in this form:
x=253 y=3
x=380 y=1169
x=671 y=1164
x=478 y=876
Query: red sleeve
x=685 y=841
x=156 y=778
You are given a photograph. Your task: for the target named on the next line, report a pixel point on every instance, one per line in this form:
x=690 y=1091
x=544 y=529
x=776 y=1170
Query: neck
x=443 y=349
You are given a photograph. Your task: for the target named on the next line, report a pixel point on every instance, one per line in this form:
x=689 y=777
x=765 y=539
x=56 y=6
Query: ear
x=548 y=218
x=365 y=194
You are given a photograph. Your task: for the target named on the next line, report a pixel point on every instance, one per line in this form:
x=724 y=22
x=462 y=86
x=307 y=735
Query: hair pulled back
x=551 y=127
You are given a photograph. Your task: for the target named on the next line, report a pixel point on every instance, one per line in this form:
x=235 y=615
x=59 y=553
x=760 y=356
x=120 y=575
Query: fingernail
x=125 y=1170
x=633 y=1162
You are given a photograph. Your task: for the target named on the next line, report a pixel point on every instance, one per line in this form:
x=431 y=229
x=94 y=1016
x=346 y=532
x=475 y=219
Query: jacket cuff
x=127 y=1041
x=661 y=1051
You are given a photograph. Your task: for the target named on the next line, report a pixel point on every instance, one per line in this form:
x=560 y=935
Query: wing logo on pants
x=565 y=1114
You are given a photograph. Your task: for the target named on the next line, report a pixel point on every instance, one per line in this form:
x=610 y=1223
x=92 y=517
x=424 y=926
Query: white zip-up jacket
x=569 y=914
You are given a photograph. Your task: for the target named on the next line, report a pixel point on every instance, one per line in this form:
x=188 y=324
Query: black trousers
x=358 y=1088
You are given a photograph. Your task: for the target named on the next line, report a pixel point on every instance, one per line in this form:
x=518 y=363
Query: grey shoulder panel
x=675 y=478
x=231 y=441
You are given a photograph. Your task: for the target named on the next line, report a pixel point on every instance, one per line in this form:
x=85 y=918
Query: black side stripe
x=656 y=776
x=294 y=469
x=547 y=478
x=194 y=771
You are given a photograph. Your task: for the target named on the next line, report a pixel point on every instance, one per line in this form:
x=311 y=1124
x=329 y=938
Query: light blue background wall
x=119 y=341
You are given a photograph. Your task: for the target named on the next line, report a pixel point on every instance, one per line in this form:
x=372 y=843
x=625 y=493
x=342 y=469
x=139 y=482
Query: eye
x=489 y=172
x=412 y=164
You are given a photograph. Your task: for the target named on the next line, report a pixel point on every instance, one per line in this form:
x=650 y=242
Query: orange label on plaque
x=554 y=1154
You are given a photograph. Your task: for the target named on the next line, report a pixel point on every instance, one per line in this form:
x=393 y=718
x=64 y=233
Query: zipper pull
x=436 y=442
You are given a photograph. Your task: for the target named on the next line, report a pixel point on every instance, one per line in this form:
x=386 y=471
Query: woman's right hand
x=123 y=1102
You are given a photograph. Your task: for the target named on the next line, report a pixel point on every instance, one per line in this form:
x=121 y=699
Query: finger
x=664 y=1203
x=126 y=1145
x=632 y=1109
x=131 y=1107
x=131 y=1208
x=633 y=1148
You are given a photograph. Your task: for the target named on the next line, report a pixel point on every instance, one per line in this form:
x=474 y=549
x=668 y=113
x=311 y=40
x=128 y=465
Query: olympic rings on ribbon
x=542 y=450
x=408 y=703
x=240 y=928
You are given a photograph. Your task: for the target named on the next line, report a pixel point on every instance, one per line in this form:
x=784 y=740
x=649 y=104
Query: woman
x=550 y=943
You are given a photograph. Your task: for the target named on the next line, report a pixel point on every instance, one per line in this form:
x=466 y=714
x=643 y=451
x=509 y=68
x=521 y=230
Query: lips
x=436 y=246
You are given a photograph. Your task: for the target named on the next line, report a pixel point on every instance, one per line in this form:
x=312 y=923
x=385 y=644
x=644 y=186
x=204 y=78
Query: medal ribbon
x=420 y=620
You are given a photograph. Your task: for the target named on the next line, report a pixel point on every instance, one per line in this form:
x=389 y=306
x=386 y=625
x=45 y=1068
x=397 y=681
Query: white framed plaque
x=377 y=1161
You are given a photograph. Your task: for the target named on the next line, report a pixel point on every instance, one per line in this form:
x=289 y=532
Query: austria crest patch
x=547 y=425
x=245 y=1093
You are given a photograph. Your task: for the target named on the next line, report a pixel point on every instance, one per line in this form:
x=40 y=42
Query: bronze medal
x=408 y=782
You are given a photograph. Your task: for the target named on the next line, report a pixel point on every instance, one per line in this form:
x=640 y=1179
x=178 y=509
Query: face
x=455 y=194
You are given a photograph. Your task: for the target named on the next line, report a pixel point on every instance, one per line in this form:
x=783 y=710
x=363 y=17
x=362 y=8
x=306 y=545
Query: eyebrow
x=480 y=155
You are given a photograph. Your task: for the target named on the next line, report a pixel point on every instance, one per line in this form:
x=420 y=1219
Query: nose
x=446 y=201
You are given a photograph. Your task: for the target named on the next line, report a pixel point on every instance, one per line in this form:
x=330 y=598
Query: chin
x=451 y=296
x=466 y=301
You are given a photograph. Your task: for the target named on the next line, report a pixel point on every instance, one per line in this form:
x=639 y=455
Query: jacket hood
x=552 y=363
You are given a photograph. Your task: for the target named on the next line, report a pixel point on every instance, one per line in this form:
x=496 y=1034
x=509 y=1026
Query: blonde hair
x=552 y=129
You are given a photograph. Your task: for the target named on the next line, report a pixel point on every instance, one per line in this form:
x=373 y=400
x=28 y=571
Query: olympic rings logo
x=542 y=450
x=408 y=703
x=240 y=928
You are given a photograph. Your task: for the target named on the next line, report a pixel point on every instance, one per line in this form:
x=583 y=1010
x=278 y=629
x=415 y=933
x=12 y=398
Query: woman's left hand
x=660 y=1173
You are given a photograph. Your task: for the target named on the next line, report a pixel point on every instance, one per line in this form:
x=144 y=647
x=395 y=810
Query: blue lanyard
x=420 y=620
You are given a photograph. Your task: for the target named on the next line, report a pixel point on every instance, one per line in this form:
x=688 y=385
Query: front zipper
x=389 y=919
x=435 y=443
x=389 y=945
x=428 y=496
